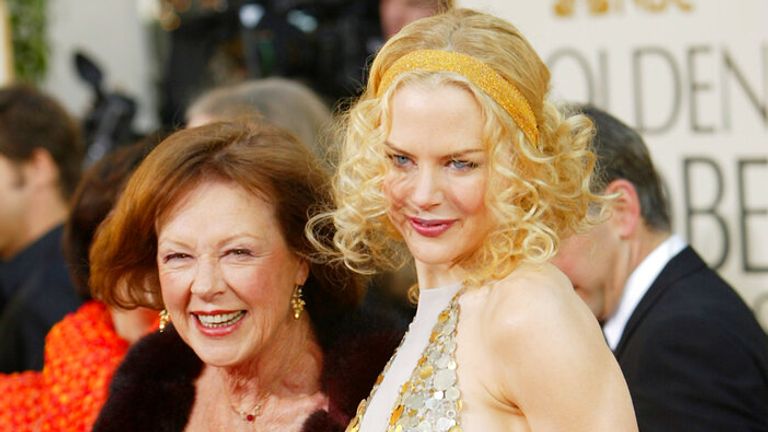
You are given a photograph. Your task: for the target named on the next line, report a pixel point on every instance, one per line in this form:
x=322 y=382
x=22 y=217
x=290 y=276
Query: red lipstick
x=431 y=227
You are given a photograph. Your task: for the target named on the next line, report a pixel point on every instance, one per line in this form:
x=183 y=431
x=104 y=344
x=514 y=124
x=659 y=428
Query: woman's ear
x=302 y=274
x=626 y=215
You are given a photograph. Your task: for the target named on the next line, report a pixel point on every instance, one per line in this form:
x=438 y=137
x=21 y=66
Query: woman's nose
x=208 y=281
x=427 y=188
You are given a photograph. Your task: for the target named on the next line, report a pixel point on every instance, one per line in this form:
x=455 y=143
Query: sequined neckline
x=430 y=400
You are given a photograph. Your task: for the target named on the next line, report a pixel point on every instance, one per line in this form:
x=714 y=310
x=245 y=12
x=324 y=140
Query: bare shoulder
x=534 y=299
x=534 y=319
x=537 y=347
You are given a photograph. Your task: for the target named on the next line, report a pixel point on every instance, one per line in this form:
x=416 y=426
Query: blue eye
x=400 y=160
x=462 y=164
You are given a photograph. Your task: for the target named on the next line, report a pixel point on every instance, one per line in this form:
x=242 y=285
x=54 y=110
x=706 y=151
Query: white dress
x=431 y=302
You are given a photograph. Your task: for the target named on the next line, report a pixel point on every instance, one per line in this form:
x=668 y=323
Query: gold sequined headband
x=478 y=73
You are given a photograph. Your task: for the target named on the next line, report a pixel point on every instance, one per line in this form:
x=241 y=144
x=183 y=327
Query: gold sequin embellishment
x=430 y=400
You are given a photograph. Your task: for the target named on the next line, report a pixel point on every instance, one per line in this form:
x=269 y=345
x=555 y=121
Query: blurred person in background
x=396 y=14
x=324 y=43
x=40 y=158
x=255 y=333
x=281 y=102
x=82 y=350
x=693 y=354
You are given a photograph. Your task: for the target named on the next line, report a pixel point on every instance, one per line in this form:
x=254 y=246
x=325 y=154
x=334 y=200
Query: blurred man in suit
x=693 y=355
x=40 y=158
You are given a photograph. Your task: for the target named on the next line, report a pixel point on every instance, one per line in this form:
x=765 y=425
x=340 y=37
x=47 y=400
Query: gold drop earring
x=165 y=319
x=297 y=302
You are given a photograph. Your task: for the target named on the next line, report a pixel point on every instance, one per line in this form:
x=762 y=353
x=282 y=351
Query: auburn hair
x=264 y=160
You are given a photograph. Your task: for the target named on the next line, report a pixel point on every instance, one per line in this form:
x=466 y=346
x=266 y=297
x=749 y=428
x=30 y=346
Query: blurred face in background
x=13 y=198
x=395 y=14
x=592 y=261
x=133 y=324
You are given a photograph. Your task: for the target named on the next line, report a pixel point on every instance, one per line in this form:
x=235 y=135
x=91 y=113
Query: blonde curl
x=537 y=192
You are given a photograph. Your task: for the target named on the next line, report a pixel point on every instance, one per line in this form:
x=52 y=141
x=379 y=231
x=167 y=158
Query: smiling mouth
x=431 y=227
x=218 y=320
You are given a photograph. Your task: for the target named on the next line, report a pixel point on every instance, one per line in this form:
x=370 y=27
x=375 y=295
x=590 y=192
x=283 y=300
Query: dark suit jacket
x=36 y=294
x=693 y=355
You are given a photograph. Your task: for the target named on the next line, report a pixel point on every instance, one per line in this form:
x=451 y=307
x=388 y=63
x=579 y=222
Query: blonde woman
x=454 y=158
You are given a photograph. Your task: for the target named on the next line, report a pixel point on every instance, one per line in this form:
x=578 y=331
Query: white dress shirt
x=638 y=284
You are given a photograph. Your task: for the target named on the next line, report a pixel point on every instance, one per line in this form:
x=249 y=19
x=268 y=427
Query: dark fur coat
x=154 y=387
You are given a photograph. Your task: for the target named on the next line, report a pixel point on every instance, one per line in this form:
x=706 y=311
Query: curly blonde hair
x=538 y=192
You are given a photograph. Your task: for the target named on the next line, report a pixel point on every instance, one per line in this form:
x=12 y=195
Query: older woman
x=454 y=153
x=210 y=229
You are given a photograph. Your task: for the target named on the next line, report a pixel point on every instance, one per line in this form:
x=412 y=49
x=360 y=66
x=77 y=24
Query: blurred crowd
x=115 y=245
x=61 y=177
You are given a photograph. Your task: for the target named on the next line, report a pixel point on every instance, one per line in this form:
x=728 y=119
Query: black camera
x=324 y=43
x=109 y=121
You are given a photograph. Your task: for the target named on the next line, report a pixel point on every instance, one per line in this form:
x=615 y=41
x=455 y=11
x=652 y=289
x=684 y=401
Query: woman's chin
x=219 y=356
x=431 y=257
x=221 y=351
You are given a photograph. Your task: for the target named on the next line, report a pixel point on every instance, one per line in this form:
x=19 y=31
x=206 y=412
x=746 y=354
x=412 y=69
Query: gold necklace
x=251 y=414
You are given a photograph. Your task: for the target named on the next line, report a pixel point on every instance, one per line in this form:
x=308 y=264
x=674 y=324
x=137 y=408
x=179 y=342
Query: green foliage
x=30 y=45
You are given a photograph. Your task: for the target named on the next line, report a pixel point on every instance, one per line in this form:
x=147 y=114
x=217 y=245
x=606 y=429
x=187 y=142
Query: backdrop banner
x=692 y=77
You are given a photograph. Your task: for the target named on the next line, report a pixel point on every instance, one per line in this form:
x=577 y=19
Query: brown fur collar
x=154 y=387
